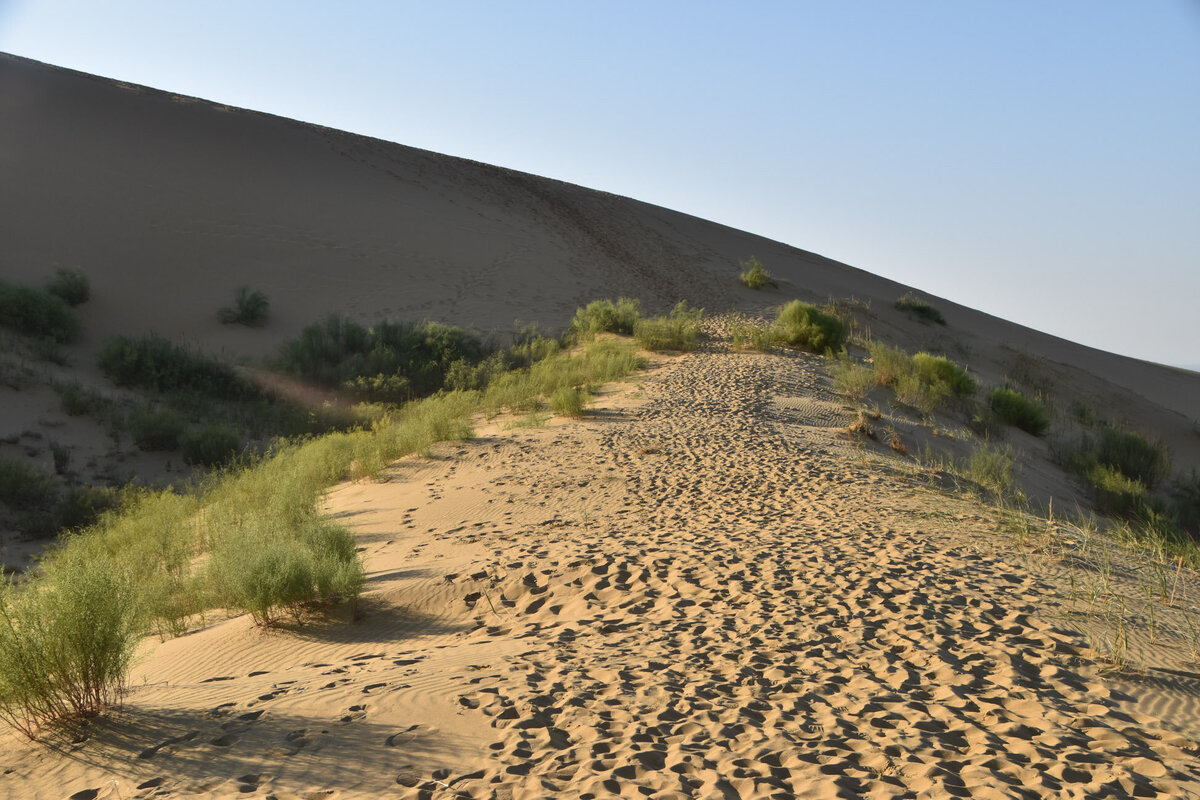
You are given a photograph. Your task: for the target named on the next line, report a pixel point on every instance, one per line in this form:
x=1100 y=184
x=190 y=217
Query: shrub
x=66 y=642
x=568 y=401
x=1134 y=455
x=851 y=378
x=77 y=401
x=803 y=325
x=754 y=275
x=1013 y=408
x=209 y=445
x=921 y=394
x=889 y=363
x=37 y=312
x=600 y=316
x=678 y=331
x=1116 y=494
x=155 y=430
x=994 y=468
x=920 y=308
x=154 y=363
x=25 y=487
x=938 y=369
x=338 y=351
x=81 y=506
x=249 y=308
x=71 y=285
x=748 y=336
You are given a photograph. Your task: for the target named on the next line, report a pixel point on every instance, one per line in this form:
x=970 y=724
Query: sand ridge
x=699 y=590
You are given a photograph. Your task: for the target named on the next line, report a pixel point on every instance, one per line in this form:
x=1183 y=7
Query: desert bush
x=37 y=312
x=267 y=572
x=920 y=307
x=850 y=378
x=77 y=401
x=994 y=468
x=888 y=363
x=153 y=430
x=1083 y=414
x=154 y=363
x=677 y=331
x=1117 y=494
x=66 y=642
x=249 y=308
x=601 y=316
x=209 y=445
x=71 y=285
x=754 y=274
x=81 y=506
x=748 y=336
x=803 y=325
x=912 y=390
x=338 y=351
x=940 y=370
x=568 y=401
x=1013 y=408
x=1134 y=455
x=24 y=486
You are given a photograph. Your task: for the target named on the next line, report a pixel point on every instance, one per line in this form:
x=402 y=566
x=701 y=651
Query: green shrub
x=912 y=390
x=748 y=336
x=1013 y=408
x=249 y=308
x=71 y=285
x=805 y=326
x=1134 y=455
x=994 y=468
x=678 y=331
x=1083 y=414
x=154 y=363
x=600 y=316
x=77 y=401
x=754 y=274
x=568 y=401
x=209 y=445
x=938 y=369
x=37 y=312
x=155 y=430
x=338 y=351
x=920 y=308
x=1116 y=494
x=889 y=363
x=25 y=487
x=66 y=642
x=851 y=378
x=81 y=506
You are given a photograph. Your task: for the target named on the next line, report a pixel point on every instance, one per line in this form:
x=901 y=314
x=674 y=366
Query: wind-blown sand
x=701 y=589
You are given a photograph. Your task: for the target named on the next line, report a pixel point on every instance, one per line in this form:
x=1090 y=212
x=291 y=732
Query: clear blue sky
x=1037 y=160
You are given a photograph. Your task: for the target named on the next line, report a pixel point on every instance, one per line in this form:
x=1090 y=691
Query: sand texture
x=686 y=594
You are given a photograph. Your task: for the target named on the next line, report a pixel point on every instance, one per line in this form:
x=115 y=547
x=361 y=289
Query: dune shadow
x=373 y=621
x=233 y=750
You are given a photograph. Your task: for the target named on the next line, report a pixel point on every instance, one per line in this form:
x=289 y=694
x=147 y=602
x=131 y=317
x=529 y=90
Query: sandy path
x=697 y=591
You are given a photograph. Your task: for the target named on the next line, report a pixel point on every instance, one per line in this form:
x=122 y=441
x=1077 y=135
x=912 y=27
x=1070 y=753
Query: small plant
x=209 y=446
x=803 y=325
x=249 y=308
x=25 y=487
x=940 y=370
x=679 y=331
x=609 y=316
x=922 y=395
x=748 y=336
x=1083 y=413
x=568 y=401
x=77 y=401
x=1015 y=409
x=61 y=454
x=850 y=378
x=888 y=363
x=920 y=308
x=81 y=506
x=994 y=468
x=1134 y=455
x=71 y=285
x=754 y=274
x=37 y=312
x=155 y=430
x=1116 y=494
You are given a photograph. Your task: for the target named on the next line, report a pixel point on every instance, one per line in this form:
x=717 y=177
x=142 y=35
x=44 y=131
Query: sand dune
x=687 y=594
x=701 y=589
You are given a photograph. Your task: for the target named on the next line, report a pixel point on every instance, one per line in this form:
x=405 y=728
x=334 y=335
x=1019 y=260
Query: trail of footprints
x=746 y=631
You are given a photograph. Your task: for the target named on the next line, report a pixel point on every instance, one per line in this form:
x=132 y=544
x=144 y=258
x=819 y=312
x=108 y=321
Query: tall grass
x=677 y=331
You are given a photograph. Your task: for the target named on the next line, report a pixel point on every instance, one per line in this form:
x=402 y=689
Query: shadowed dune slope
x=169 y=203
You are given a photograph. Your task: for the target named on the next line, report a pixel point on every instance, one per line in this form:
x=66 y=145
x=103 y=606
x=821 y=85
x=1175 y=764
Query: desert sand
x=704 y=588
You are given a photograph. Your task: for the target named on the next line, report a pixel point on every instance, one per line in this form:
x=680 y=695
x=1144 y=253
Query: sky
x=1036 y=160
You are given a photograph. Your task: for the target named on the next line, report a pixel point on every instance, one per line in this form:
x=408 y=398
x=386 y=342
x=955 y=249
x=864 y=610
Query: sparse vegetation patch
x=754 y=275
x=249 y=308
x=920 y=308
x=677 y=331
x=1013 y=408
x=37 y=312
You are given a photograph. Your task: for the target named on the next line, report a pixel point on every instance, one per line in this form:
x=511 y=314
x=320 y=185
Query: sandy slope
x=700 y=590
